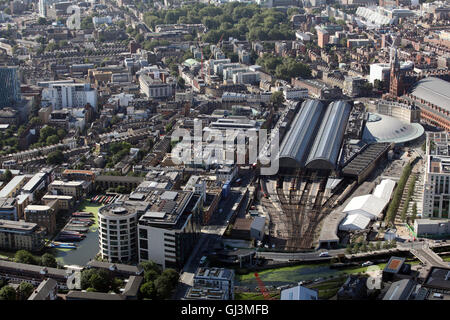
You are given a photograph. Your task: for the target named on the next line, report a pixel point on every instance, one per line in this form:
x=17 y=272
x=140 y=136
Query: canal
x=86 y=249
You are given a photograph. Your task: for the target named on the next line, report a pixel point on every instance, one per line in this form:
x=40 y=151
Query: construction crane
x=262 y=287
x=219 y=42
x=200 y=45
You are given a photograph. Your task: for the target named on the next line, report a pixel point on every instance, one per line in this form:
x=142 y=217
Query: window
x=143 y=255
x=143 y=233
x=143 y=244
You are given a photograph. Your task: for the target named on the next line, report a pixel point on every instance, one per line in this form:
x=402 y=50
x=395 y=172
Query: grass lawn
x=300 y=273
x=255 y=296
x=278 y=274
x=87 y=206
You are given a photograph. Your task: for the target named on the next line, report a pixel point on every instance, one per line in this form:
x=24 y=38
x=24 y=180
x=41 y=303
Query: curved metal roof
x=383 y=128
x=296 y=144
x=434 y=90
x=326 y=147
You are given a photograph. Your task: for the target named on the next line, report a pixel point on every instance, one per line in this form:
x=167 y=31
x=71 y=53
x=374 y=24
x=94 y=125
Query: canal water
x=86 y=249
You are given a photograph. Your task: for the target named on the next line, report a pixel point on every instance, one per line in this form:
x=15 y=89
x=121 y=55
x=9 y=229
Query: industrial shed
x=296 y=145
x=354 y=222
x=325 y=150
x=384 y=189
x=367 y=205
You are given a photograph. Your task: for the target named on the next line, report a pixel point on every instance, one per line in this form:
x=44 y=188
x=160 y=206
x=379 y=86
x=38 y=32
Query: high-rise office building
x=9 y=86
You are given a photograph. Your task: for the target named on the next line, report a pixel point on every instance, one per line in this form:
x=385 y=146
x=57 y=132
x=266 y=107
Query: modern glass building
x=9 y=86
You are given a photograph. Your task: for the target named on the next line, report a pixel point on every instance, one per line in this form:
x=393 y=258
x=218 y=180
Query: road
x=209 y=236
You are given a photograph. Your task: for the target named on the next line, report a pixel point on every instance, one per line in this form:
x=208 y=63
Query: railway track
x=303 y=207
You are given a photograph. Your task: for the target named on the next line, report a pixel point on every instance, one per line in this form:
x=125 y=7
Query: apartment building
x=76 y=189
x=154 y=88
x=118 y=231
x=43 y=215
x=212 y=284
x=436 y=197
x=8 y=210
x=66 y=94
x=18 y=235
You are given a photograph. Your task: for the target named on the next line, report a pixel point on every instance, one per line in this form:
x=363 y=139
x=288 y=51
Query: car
x=367 y=263
x=203 y=260
x=324 y=254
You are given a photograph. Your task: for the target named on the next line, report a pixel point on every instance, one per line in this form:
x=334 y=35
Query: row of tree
x=47 y=259
x=395 y=203
x=369 y=246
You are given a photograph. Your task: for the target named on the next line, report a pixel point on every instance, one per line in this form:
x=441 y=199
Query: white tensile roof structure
x=384 y=189
x=354 y=222
x=367 y=205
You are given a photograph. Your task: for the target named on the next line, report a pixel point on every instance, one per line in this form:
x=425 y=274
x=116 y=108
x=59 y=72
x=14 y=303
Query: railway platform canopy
x=315 y=138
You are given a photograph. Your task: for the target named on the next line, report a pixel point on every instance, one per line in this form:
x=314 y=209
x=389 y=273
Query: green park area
x=298 y=273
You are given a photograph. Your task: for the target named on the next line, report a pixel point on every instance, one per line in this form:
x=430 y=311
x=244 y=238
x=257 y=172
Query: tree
x=150 y=265
x=7 y=176
x=85 y=278
x=53 y=139
x=163 y=287
x=150 y=275
x=49 y=260
x=148 y=290
x=23 y=256
x=348 y=249
x=378 y=245
x=7 y=293
x=414 y=212
x=277 y=99
x=42 y=21
x=101 y=280
x=55 y=157
x=24 y=290
x=116 y=285
x=172 y=275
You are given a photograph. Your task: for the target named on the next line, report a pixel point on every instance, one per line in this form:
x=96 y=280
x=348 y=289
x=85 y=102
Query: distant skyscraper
x=43 y=8
x=9 y=86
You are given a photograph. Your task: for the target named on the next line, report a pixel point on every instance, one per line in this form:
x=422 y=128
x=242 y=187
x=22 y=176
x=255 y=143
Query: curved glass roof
x=328 y=141
x=296 y=144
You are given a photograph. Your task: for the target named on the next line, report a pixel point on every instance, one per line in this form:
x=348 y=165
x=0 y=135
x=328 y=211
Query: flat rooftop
x=438 y=278
x=394 y=264
x=357 y=165
x=165 y=206
x=17 y=225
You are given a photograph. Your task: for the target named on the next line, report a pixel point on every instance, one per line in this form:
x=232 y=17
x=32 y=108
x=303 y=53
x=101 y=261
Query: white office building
x=64 y=94
x=436 y=197
x=169 y=229
x=154 y=88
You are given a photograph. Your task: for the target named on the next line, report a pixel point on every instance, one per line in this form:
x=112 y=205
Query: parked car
x=324 y=254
